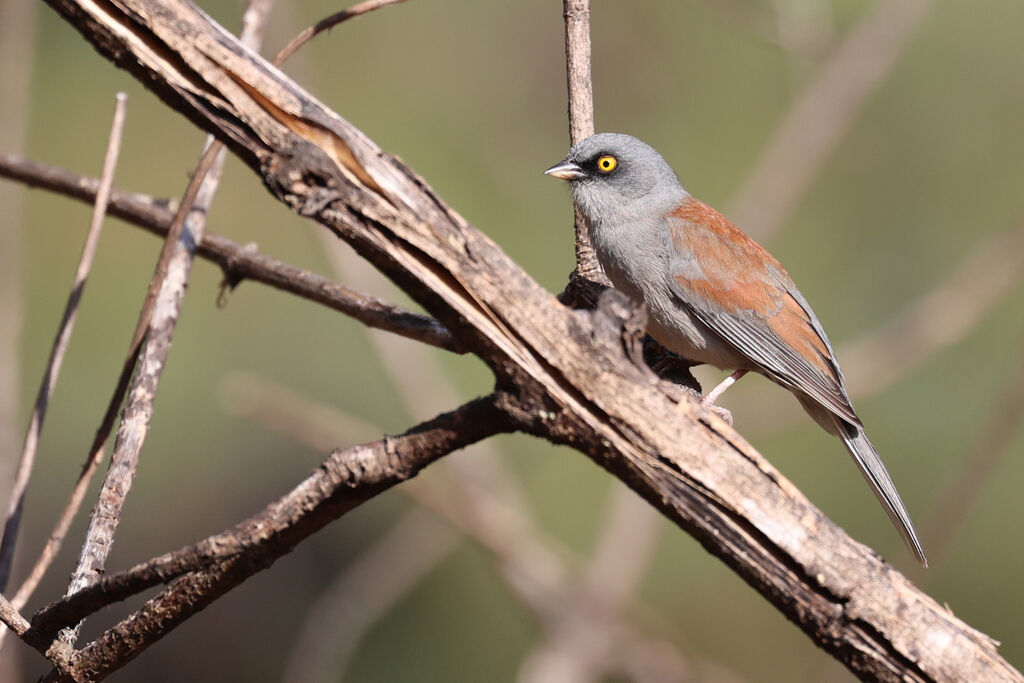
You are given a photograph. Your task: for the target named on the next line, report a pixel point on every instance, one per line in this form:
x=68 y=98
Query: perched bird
x=713 y=295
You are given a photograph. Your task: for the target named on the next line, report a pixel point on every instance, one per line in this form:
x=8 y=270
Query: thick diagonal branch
x=568 y=368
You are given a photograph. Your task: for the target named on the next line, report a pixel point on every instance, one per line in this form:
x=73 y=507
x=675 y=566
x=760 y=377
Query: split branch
x=572 y=372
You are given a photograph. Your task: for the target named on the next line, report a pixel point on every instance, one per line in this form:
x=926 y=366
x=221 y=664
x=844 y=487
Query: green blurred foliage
x=471 y=95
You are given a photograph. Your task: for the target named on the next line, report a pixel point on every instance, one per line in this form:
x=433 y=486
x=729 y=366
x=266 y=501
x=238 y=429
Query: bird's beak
x=567 y=169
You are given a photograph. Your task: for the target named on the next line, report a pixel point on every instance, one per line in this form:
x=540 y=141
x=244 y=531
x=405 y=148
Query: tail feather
x=871 y=466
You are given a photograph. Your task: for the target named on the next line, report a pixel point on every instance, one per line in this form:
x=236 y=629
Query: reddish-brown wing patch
x=745 y=295
x=736 y=269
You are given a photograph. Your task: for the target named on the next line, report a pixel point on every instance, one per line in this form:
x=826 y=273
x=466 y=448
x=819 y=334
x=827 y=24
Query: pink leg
x=710 y=399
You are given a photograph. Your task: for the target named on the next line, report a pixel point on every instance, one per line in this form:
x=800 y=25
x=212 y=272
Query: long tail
x=871 y=466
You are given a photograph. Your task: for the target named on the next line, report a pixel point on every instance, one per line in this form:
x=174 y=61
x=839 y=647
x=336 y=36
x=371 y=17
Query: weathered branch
x=238 y=262
x=580 y=88
x=158 y=320
x=538 y=569
x=143 y=366
x=346 y=479
x=568 y=370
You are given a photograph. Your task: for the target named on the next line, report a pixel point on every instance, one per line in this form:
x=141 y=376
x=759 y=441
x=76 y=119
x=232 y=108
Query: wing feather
x=738 y=290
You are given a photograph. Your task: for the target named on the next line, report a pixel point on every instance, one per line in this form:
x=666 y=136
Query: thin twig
x=577 y=69
x=572 y=633
x=106 y=515
x=346 y=479
x=581 y=120
x=311 y=32
x=153 y=333
x=13 y=620
x=238 y=262
x=60 y=346
x=822 y=114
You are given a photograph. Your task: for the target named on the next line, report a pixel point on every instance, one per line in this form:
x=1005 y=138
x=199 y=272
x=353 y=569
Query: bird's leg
x=708 y=401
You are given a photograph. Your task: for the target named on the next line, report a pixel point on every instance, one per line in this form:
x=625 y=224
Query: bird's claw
x=718 y=410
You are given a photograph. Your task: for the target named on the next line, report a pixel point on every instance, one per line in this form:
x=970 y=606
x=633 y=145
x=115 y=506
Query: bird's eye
x=607 y=163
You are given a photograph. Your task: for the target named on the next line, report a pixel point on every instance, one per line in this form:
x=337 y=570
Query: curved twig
x=330 y=22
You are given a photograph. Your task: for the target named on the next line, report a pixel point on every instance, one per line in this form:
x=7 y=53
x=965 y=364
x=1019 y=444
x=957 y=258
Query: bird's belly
x=669 y=321
x=675 y=328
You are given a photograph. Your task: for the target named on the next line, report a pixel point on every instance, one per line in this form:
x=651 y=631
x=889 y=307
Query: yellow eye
x=607 y=163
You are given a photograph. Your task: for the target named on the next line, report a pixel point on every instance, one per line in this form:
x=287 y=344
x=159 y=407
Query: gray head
x=617 y=177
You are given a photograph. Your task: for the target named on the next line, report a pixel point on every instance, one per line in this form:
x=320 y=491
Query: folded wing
x=744 y=295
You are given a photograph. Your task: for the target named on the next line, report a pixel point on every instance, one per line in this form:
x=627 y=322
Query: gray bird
x=713 y=295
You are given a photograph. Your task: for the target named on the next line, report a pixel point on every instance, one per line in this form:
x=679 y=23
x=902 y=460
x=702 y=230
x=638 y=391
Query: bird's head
x=617 y=177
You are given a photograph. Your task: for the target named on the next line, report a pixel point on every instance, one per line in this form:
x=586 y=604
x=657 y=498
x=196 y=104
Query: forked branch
x=572 y=373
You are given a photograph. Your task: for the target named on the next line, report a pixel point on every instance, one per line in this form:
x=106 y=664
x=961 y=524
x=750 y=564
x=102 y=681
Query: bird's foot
x=712 y=396
x=679 y=391
x=724 y=413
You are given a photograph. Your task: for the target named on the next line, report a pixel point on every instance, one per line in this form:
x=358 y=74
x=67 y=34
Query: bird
x=713 y=295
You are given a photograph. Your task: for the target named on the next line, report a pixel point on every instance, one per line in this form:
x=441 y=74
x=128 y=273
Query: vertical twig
x=151 y=343
x=150 y=346
x=577 y=63
x=581 y=117
x=60 y=345
x=571 y=638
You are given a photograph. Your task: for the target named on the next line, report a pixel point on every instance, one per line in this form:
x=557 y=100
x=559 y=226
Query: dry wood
x=570 y=375
x=238 y=262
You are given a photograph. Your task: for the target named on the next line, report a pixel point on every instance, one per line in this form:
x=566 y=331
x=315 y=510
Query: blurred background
x=875 y=147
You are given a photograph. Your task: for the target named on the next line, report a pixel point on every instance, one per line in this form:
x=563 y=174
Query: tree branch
x=60 y=345
x=238 y=262
x=569 y=371
x=346 y=479
x=158 y=320
x=580 y=87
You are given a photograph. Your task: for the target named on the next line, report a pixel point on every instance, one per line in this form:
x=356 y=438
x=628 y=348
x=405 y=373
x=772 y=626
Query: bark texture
x=574 y=377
